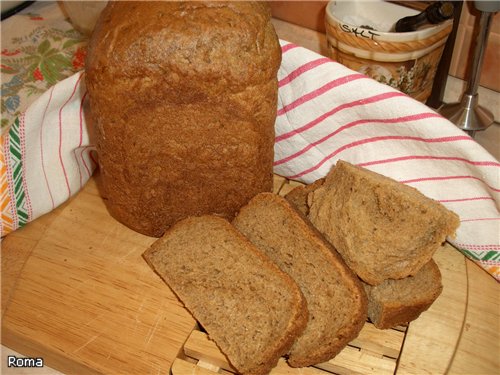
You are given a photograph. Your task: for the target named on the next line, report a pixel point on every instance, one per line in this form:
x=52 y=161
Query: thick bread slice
x=251 y=309
x=397 y=302
x=382 y=228
x=335 y=297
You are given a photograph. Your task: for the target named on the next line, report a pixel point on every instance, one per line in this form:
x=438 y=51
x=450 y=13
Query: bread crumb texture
x=383 y=229
x=400 y=301
x=335 y=298
x=251 y=309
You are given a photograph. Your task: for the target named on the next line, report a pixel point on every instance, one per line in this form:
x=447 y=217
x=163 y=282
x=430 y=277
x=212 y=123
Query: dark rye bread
x=396 y=302
x=183 y=97
x=335 y=298
x=382 y=228
x=251 y=309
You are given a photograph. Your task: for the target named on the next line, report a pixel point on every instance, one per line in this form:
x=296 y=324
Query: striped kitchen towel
x=326 y=112
x=46 y=154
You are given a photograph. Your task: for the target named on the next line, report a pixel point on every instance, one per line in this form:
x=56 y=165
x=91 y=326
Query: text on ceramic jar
x=359 y=31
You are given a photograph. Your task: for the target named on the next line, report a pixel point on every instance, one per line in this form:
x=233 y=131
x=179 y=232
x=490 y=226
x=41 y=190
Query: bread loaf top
x=228 y=44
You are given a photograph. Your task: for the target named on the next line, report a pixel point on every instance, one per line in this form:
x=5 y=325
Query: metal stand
x=467 y=114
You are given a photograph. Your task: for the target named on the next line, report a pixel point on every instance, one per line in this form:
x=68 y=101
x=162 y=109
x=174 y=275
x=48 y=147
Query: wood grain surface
x=84 y=298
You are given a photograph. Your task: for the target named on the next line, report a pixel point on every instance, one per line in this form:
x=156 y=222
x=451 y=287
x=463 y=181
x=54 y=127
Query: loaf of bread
x=335 y=298
x=382 y=228
x=396 y=302
x=248 y=306
x=183 y=96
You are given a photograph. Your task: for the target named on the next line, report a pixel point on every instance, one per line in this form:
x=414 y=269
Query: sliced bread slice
x=251 y=309
x=382 y=228
x=396 y=302
x=335 y=297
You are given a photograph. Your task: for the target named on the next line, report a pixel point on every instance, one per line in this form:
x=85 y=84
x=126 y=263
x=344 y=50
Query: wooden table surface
x=76 y=291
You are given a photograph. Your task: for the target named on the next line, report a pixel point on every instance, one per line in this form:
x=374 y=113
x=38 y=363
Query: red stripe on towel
x=87 y=149
x=81 y=118
x=429 y=157
x=288 y=47
x=440 y=178
x=302 y=69
x=481 y=219
x=365 y=141
x=465 y=199
x=91 y=156
x=60 y=135
x=78 y=166
x=89 y=173
x=325 y=88
x=341 y=107
x=80 y=140
x=396 y=120
x=41 y=148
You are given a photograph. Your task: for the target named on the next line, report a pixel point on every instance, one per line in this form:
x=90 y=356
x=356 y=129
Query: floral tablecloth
x=39 y=49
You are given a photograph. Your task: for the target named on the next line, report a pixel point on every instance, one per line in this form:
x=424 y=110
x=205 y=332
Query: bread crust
x=386 y=306
x=183 y=96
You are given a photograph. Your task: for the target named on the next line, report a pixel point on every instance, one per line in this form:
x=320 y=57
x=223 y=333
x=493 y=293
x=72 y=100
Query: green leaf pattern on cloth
x=36 y=60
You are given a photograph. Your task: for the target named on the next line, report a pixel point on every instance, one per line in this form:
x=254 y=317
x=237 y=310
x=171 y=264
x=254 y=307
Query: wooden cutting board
x=76 y=291
x=87 y=302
